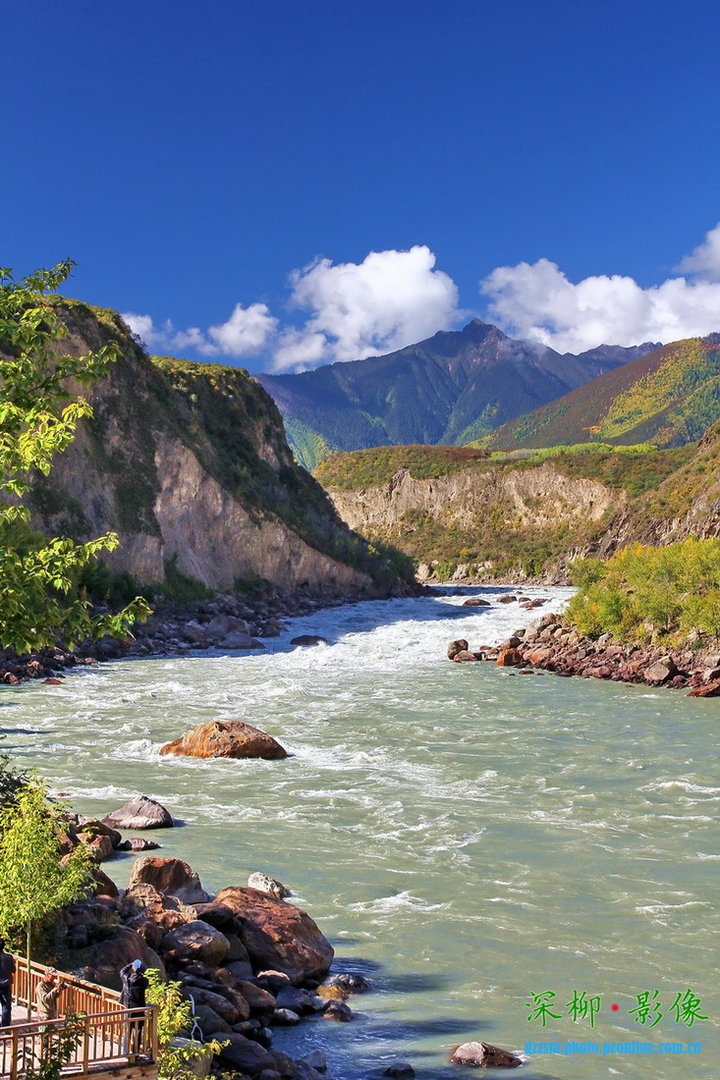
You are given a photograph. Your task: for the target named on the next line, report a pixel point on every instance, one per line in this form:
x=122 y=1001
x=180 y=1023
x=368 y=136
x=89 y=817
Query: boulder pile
x=247 y=959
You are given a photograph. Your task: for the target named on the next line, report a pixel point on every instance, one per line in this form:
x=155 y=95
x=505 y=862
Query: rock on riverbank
x=551 y=645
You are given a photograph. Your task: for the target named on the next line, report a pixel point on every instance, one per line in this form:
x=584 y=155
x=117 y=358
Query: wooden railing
x=109 y=1034
x=77 y=995
x=116 y=1039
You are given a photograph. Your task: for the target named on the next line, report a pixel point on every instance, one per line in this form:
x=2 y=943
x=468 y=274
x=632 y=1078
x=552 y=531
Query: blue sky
x=191 y=156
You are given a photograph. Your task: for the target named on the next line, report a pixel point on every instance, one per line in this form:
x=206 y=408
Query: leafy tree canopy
x=38 y=419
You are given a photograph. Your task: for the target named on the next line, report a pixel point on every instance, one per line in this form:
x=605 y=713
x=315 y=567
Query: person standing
x=132 y=996
x=46 y=995
x=7 y=971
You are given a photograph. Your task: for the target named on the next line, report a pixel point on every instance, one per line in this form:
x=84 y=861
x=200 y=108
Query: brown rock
x=456 y=647
x=103 y=963
x=210 y=1023
x=711 y=689
x=660 y=671
x=338 y=1011
x=169 y=876
x=138 y=843
x=476 y=601
x=245 y=1055
x=197 y=940
x=509 y=658
x=226 y=739
x=278 y=935
x=484 y=1056
x=102 y=884
x=260 y=1001
x=140 y=813
x=463 y=657
x=101 y=848
x=506 y=598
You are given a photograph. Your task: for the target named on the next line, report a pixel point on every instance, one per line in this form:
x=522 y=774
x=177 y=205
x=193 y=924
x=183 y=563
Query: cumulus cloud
x=705 y=259
x=538 y=302
x=248 y=330
x=390 y=299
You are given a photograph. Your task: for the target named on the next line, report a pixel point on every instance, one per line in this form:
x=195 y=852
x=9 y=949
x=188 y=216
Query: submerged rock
x=308 y=639
x=484 y=1056
x=226 y=739
x=140 y=813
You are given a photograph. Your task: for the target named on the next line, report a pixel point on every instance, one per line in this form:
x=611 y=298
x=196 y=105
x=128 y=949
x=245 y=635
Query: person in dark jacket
x=132 y=996
x=7 y=971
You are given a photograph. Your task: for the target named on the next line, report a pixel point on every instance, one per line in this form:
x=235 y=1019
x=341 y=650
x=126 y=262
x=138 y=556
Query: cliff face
x=533 y=498
x=189 y=464
x=517 y=518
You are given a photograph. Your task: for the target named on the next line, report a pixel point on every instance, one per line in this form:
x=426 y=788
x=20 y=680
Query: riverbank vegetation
x=651 y=594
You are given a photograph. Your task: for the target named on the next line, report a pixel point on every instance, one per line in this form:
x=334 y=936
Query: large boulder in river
x=226 y=739
x=103 y=962
x=278 y=935
x=484 y=1056
x=456 y=647
x=169 y=876
x=140 y=813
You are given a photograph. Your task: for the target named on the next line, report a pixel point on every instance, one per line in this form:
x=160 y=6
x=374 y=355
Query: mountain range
x=452 y=388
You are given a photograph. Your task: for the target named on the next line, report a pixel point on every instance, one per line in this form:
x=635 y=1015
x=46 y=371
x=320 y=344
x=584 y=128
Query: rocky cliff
x=190 y=465
x=512 y=519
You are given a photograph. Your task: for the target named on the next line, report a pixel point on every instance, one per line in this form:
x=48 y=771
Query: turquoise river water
x=464 y=835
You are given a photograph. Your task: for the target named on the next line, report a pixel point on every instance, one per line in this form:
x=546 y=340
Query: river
x=465 y=835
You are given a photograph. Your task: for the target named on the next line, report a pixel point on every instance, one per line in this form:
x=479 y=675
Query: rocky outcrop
x=226 y=739
x=199 y=945
x=278 y=935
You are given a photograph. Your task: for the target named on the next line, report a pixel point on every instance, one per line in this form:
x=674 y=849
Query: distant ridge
x=668 y=397
x=452 y=388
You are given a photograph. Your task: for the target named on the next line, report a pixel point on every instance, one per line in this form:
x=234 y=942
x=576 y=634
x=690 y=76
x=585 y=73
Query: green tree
x=48 y=1059
x=35 y=879
x=176 y=1054
x=38 y=419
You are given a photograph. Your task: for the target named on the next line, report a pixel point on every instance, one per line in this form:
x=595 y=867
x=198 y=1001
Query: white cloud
x=705 y=259
x=537 y=301
x=247 y=330
x=390 y=299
